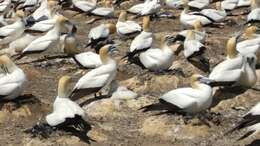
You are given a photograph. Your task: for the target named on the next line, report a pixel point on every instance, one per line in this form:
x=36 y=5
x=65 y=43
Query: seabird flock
x=35 y=26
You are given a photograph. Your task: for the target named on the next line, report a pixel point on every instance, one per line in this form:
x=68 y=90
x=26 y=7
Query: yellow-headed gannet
x=126 y=27
x=12 y=80
x=158 y=59
x=218 y=14
x=11 y=32
x=96 y=79
x=85 y=5
x=143 y=41
x=151 y=7
x=186 y=100
x=50 y=39
x=107 y=11
x=40 y=11
x=99 y=35
x=250 y=121
x=230 y=69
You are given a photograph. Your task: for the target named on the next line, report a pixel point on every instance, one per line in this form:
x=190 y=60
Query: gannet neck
x=218 y=6
x=63 y=88
x=190 y=35
x=231 y=48
x=146 y=24
x=253 y=4
x=104 y=56
x=111 y=27
x=7 y=64
x=249 y=32
x=122 y=16
x=197 y=25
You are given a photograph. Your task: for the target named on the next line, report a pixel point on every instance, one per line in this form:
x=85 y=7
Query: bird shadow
x=21 y=100
x=88 y=101
x=80 y=134
x=226 y=93
x=254 y=143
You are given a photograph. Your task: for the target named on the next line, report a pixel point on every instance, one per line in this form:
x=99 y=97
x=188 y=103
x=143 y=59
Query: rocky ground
x=124 y=124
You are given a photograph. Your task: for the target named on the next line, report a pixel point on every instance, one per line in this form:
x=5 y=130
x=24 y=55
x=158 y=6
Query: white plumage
x=88 y=59
x=85 y=5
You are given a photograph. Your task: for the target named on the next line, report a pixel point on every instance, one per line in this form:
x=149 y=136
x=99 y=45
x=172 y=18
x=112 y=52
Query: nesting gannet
x=67 y=115
x=199 y=33
x=243 y=3
x=98 y=78
x=107 y=11
x=11 y=32
x=173 y=3
x=45 y=25
x=195 y=49
x=217 y=14
x=126 y=27
x=66 y=112
x=40 y=11
x=143 y=41
x=4 y=5
x=99 y=34
x=250 y=121
x=85 y=5
x=230 y=69
x=88 y=59
x=251 y=42
x=136 y=9
x=188 y=18
x=150 y=7
x=199 y=4
x=158 y=59
x=50 y=39
x=186 y=100
x=12 y=81
x=254 y=15
x=229 y=4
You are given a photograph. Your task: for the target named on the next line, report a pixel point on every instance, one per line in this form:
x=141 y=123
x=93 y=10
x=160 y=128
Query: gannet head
x=7 y=64
x=111 y=27
x=146 y=23
x=61 y=20
x=63 y=86
x=104 y=52
x=231 y=48
x=108 y=3
x=251 y=59
x=51 y=3
x=185 y=4
x=20 y=14
x=122 y=16
x=197 y=79
x=197 y=25
x=250 y=31
x=167 y=40
x=218 y=5
x=190 y=35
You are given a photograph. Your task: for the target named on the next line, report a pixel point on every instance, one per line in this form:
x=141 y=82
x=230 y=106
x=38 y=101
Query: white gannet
x=96 y=79
x=30 y=3
x=254 y=15
x=40 y=11
x=99 y=34
x=12 y=81
x=88 y=59
x=126 y=27
x=199 y=33
x=158 y=59
x=218 y=14
x=85 y=5
x=188 y=18
x=151 y=7
x=228 y=70
x=49 y=40
x=11 y=32
x=250 y=121
x=66 y=112
x=107 y=11
x=4 y=5
x=251 y=42
x=143 y=41
x=45 y=25
x=243 y=3
x=199 y=4
x=185 y=100
x=248 y=76
x=229 y=4
x=136 y=9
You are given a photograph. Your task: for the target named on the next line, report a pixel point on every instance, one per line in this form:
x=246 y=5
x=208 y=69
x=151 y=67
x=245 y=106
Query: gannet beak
x=113 y=48
x=170 y=39
x=205 y=80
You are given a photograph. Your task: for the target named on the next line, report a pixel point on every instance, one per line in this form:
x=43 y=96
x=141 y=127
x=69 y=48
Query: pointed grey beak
x=206 y=80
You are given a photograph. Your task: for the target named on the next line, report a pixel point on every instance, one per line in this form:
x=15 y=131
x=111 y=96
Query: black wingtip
x=249 y=133
x=40 y=130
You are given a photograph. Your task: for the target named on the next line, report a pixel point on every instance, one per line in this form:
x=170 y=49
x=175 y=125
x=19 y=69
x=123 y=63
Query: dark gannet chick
x=126 y=28
x=141 y=42
x=96 y=79
x=66 y=115
x=159 y=59
x=12 y=79
x=194 y=51
x=192 y=99
x=100 y=35
x=13 y=31
x=250 y=121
